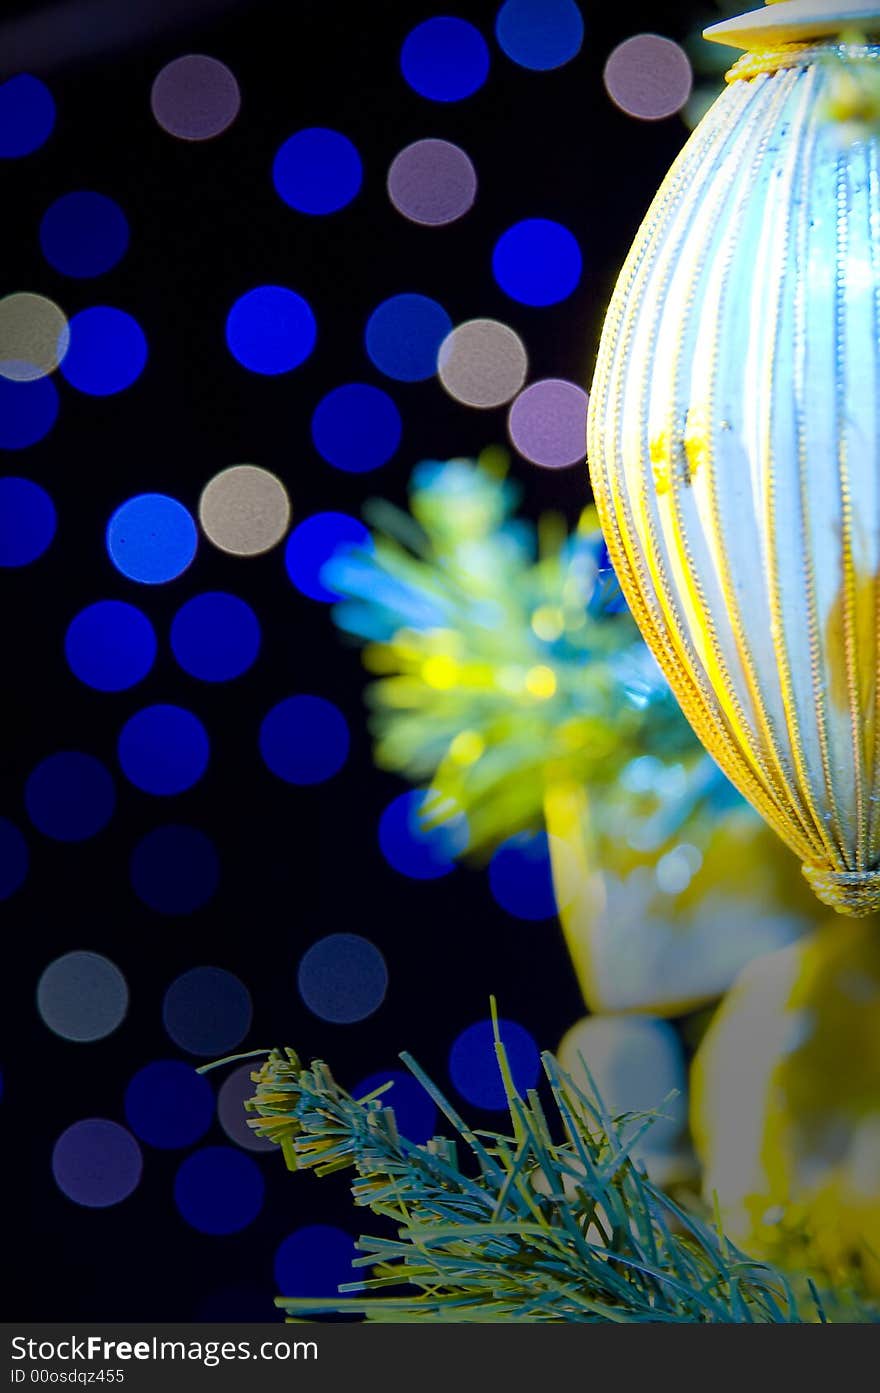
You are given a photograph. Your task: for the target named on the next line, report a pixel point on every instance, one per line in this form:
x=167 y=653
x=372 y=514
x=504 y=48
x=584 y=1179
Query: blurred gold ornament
x=785 y=1110
x=667 y=928
x=734 y=433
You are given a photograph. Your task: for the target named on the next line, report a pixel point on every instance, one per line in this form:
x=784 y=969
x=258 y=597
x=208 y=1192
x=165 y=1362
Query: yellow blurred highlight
x=541 y=683
x=467 y=748
x=548 y=623
x=440 y=672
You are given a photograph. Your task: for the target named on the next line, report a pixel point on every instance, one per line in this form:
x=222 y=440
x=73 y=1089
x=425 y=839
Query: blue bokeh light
x=304 y=740
x=414 y=1108
x=417 y=851
x=473 y=1066
x=27 y=521
x=356 y=427
x=207 y=1011
x=97 y=1163
x=317 y=171
x=317 y=541
x=219 y=1190
x=168 y=1104
x=27 y=115
x=175 y=869
x=271 y=330
x=404 y=335
x=28 y=411
x=84 y=234
x=14 y=859
x=445 y=59
x=110 y=646
x=70 y=796
x=521 y=877
x=151 y=538
x=537 y=262
x=540 y=34
x=107 y=353
x=163 y=749
x=215 y=636
x=315 y=1261
x=343 y=978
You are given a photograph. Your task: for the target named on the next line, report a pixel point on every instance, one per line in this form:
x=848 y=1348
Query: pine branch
x=554 y=1222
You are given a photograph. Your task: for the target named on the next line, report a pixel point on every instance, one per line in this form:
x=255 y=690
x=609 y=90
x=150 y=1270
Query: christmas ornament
x=734 y=432
x=785 y=1105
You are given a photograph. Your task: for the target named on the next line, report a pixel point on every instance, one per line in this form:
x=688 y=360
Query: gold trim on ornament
x=786 y=56
x=856 y=893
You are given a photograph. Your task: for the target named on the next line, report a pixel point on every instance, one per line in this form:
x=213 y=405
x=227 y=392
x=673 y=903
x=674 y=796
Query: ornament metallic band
x=856 y=893
x=774 y=60
x=796 y=21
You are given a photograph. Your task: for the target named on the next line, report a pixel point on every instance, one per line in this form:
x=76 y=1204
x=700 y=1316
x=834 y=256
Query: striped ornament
x=734 y=436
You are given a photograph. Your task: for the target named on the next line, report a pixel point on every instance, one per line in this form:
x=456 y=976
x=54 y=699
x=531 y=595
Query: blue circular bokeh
x=356 y=427
x=414 y=1108
x=317 y=171
x=404 y=334
x=537 y=262
x=315 y=1261
x=445 y=59
x=110 y=646
x=304 y=740
x=14 y=859
x=70 y=796
x=84 y=234
x=27 y=521
x=215 y=636
x=27 y=115
x=271 y=330
x=163 y=749
x=152 y=538
x=219 y=1190
x=97 y=1163
x=168 y=1104
x=343 y=978
x=322 y=538
x=521 y=877
x=28 y=411
x=207 y=1011
x=107 y=353
x=540 y=34
x=175 y=869
x=473 y=1066
x=417 y=851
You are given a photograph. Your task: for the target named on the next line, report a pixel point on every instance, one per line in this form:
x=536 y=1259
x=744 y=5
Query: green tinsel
x=553 y=1222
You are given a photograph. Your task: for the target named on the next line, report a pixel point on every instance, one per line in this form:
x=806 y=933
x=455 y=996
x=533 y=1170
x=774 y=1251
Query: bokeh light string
x=540 y=34
x=27 y=115
x=195 y=97
x=432 y=182
x=244 y=510
x=34 y=336
x=317 y=171
x=84 y=234
x=28 y=521
x=82 y=996
x=649 y=77
x=445 y=59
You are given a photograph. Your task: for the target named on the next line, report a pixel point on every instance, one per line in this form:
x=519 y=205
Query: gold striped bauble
x=734 y=433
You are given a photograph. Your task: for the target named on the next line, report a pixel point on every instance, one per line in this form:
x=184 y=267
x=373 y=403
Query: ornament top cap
x=796 y=21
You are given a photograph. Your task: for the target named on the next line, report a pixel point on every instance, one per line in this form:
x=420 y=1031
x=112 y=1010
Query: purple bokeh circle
x=548 y=423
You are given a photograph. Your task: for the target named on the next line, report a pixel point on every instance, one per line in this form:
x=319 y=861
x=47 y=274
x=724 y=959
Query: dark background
x=296 y=864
